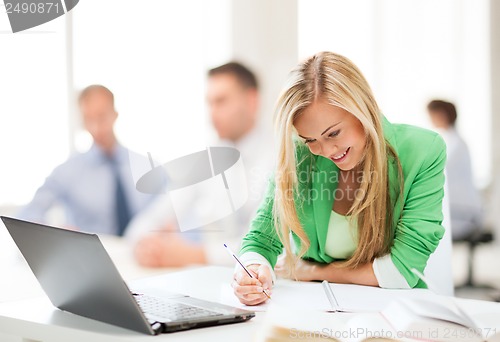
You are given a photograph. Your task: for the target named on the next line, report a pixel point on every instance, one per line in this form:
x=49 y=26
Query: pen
x=331 y=297
x=246 y=270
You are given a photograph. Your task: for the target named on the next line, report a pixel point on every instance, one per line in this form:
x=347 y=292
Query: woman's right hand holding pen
x=250 y=291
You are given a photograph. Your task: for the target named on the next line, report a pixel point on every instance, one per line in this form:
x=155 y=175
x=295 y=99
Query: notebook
x=312 y=296
x=446 y=318
x=406 y=319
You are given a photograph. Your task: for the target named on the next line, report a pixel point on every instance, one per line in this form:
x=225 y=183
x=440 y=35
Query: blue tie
x=122 y=210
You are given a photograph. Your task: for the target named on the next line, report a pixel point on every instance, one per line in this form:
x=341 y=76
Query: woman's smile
x=341 y=157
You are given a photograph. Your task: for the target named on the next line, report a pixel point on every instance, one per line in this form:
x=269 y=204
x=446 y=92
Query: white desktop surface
x=35 y=319
x=26 y=314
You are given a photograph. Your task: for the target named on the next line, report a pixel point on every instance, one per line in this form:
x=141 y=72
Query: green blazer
x=417 y=217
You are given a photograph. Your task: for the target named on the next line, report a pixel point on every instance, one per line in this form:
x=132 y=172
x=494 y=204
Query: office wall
x=411 y=52
x=264 y=36
x=156 y=64
x=33 y=104
x=495 y=109
x=495 y=81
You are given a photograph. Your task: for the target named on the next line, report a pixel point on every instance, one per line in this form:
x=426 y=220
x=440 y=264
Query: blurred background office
x=465 y=202
x=154 y=55
x=95 y=188
x=233 y=100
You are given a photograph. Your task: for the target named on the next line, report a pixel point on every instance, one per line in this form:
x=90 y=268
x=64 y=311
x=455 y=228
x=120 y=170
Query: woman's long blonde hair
x=336 y=79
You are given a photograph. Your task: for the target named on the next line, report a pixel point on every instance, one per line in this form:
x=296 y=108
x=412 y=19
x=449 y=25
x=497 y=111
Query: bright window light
x=411 y=52
x=33 y=107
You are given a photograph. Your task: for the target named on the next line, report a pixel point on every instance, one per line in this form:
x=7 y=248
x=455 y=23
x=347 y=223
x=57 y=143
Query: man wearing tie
x=95 y=188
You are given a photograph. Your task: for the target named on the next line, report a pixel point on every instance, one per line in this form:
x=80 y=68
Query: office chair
x=478 y=237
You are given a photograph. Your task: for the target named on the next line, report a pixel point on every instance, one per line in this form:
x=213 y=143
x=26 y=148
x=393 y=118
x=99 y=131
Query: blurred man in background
x=465 y=202
x=233 y=101
x=95 y=188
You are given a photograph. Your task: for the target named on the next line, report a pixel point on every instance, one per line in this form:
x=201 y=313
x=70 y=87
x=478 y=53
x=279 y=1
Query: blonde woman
x=354 y=198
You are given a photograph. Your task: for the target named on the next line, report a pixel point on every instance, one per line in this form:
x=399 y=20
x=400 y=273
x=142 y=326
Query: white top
x=342 y=236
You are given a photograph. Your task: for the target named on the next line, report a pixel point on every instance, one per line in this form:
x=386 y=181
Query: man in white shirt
x=233 y=100
x=465 y=202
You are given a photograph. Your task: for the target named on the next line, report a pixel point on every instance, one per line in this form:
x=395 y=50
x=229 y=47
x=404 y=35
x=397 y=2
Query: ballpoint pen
x=331 y=297
x=246 y=270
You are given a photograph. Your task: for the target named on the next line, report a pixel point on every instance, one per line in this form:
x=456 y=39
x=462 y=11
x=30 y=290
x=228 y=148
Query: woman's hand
x=304 y=270
x=250 y=291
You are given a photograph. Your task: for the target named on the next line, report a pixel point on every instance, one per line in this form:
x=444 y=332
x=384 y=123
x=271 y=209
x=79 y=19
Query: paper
x=286 y=293
x=359 y=298
x=311 y=296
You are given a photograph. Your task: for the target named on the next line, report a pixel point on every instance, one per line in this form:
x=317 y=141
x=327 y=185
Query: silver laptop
x=78 y=276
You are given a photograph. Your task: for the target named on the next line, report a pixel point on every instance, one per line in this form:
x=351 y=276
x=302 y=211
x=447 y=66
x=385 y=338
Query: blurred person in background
x=465 y=201
x=95 y=188
x=233 y=101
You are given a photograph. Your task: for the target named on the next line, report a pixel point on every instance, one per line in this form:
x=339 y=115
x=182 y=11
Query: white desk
x=27 y=315
x=35 y=319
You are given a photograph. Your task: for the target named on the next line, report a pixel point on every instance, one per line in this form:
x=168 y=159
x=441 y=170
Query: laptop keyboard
x=161 y=310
